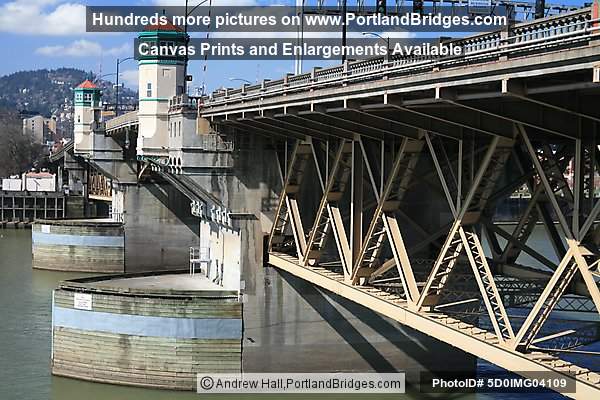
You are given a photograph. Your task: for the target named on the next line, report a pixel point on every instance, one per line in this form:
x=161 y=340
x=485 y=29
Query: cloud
x=42 y=17
x=82 y=48
x=130 y=77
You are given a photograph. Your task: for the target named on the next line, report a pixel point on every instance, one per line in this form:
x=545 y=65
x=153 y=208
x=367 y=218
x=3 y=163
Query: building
x=160 y=79
x=86 y=115
x=43 y=130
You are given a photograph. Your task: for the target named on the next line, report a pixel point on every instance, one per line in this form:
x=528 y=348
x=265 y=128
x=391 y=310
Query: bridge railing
x=122 y=121
x=183 y=101
x=558 y=30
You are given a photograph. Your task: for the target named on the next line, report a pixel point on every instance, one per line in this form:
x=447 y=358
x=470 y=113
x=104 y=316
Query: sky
x=51 y=34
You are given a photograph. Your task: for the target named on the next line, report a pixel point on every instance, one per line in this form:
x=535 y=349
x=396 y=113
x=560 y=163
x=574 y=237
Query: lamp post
x=385 y=39
x=187 y=41
x=117 y=85
x=97 y=78
x=240 y=79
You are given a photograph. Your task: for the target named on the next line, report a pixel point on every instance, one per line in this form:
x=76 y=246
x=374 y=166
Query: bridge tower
x=160 y=78
x=87 y=114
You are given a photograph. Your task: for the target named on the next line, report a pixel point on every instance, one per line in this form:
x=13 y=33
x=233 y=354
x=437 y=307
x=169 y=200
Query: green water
x=25 y=297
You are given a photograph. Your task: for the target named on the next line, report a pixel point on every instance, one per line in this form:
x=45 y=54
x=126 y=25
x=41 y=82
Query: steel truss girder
x=516 y=243
x=287 y=209
x=487 y=286
x=525 y=227
x=454 y=332
x=542 y=209
x=572 y=262
x=328 y=214
x=384 y=224
x=458 y=241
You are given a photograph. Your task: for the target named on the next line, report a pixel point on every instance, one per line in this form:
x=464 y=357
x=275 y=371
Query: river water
x=25 y=312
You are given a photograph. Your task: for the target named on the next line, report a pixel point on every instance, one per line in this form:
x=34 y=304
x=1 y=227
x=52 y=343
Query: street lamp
x=385 y=39
x=119 y=62
x=187 y=41
x=240 y=79
x=97 y=78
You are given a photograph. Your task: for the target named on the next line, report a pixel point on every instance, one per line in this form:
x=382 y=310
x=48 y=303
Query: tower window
x=87 y=97
x=149 y=90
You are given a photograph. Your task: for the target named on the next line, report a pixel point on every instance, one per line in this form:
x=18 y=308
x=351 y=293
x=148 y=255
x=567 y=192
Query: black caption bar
x=290 y=49
x=494 y=382
x=291 y=19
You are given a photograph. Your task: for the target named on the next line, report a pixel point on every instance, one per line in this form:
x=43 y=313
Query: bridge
x=392 y=170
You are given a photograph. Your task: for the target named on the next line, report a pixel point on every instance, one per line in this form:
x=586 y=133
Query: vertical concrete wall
x=225 y=254
x=159 y=227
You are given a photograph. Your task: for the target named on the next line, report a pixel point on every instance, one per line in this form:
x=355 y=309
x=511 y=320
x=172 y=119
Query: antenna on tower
x=100 y=66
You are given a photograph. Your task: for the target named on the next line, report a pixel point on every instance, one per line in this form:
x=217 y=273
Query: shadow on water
x=406 y=341
x=25 y=296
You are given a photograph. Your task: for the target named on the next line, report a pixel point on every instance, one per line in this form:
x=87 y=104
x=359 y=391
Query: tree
x=18 y=152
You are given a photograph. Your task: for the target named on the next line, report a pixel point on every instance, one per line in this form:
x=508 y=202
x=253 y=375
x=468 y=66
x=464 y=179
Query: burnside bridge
x=391 y=171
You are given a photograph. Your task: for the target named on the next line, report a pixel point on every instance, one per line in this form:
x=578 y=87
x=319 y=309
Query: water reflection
x=25 y=296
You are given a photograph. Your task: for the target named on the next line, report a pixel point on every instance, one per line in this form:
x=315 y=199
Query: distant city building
x=43 y=130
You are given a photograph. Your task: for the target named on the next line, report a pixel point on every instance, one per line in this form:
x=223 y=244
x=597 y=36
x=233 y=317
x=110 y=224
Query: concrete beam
x=414 y=120
x=278 y=125
x=265 y=130
x=391 y=126
x=532 y=115
x=517 y=89
x=488 y=125
x=357 y=127
x=294 y=120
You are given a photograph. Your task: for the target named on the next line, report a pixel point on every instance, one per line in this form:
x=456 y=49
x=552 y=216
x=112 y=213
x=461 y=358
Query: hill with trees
x=46 y=91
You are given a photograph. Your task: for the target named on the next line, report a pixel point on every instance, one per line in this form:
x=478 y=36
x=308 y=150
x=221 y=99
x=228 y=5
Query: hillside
x=49 y=91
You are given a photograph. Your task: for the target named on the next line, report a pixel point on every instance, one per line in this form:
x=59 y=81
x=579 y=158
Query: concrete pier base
x=150 y=330
x=92 y=245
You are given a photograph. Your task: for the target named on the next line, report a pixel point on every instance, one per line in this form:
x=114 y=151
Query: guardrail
x=122 y=121
x=521 y=38
x=213 y=142
x=183 y=101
